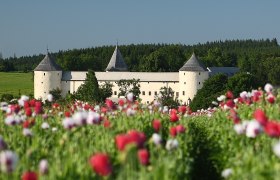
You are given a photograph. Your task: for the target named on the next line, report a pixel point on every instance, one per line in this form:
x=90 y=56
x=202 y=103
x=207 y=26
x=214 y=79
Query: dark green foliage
x=212 y=88
x=130 y=85
x=167 y=97
x=6 y=66
x=6 y=97
x=56 y=94
x=241 y=82
x=254 y=56
x=89 y=91
x=106 y=90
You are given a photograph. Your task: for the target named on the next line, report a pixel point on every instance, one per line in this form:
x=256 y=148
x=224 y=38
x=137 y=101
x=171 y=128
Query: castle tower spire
x=116 y=62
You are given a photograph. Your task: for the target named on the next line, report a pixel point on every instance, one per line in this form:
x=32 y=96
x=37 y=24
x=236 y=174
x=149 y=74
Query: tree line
x=259 y=57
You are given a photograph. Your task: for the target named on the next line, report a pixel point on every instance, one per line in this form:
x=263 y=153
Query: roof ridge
x=48 y=64
x=193 y=64
x=116 y=62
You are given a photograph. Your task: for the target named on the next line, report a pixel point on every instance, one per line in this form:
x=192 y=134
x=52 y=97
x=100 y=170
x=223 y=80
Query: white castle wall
x=190 y=82
x=148 y=89
x=44 y=81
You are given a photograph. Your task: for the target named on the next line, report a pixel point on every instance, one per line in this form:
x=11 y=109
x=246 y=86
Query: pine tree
x=89 y=91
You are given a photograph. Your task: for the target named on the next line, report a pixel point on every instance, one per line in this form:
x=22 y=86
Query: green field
x=16 y=83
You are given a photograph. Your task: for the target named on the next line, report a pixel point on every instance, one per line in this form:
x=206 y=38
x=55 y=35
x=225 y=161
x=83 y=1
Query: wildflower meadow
x=236 y=138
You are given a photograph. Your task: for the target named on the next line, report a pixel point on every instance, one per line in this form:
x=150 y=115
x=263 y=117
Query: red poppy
x=229 y=95
x=143 y=156
x=110 y=104
x=173 y=131
x=29 y=175
x=55 y=105
x=133 y=136
x=272 y=129
x=67 y=114
x=137 y=137
x=271 y=99
x=100 y=163
x=38 y=109
x=174 y=117
x=156 y=125
x=26 y=124
x=32 y=102
x=121 y=102
x=106 y=123
x=230 y=103
x=121 y=141
x=86 y=107
x=38 y=104
x=182 y=109
x=26 y=104
x=180 y=129
x=260 y=116
x=28 y=112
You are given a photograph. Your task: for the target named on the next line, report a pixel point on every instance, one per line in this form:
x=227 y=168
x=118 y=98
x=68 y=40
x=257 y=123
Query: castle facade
x=185 y=83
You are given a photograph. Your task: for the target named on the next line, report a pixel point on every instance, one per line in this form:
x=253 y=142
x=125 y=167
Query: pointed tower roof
x=48 y=64
x=193 y=64
x=117 y=62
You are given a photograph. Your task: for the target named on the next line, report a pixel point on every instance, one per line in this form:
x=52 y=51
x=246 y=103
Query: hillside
x=260 y=57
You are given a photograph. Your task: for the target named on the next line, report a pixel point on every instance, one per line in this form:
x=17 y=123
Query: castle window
x=45 y=92
x=44 y=74
x=177 y=94
x=150 y=93
x=184 y=74
x=143 y=93
x=148 y=82
x=147 y=102
x=184 y=82
x=198 y=82
x=155 y=93
x=58 y=74
x=68 y=92
x=42 y=82
x=115 y=92
x=198 y=73
x=183 y=93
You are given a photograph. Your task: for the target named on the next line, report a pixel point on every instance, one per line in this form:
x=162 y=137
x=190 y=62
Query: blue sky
x=27 y=27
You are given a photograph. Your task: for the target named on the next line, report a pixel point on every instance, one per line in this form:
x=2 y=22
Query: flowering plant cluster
x=130 y=140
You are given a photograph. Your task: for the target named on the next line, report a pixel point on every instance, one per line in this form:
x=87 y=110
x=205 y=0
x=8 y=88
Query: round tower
x=47 y=76
x=191 y=78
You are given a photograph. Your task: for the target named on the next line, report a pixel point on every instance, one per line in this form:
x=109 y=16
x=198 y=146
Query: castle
x=185 y=83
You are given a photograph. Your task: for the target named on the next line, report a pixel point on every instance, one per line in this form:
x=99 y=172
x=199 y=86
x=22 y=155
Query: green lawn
x=16 y=83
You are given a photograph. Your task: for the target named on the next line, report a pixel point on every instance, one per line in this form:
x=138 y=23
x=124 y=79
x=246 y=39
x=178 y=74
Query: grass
x=16 y=83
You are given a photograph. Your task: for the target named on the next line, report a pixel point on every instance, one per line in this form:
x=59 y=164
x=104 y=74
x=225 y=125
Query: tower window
x=198 y=82
x=150 y=93
x=42 y=82
x=44 y=74
x=115 y=92
x=184 y=74
x=183 y=93
x=148 y=82
x=155 y=93
x=184 y=82
x=143 y=93
x=177 y=94
x=198 y=73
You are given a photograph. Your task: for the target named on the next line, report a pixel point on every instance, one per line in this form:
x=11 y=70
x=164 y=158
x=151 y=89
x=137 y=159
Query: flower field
x=238 y=139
